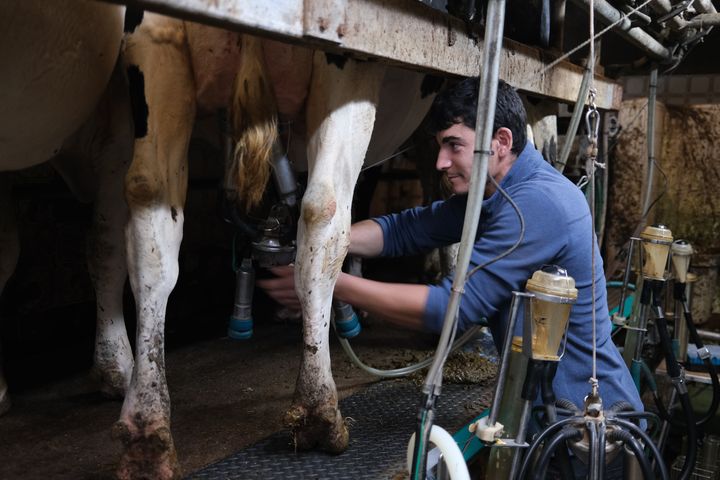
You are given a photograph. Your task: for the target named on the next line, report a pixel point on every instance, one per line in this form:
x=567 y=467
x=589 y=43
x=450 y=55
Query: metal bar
x=401 y=32
x=574 y=121
x=652 y=101
x=635 y=35
x=505 y=357
x=483 y=137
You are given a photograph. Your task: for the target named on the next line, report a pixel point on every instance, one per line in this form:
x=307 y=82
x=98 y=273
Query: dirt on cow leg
x=146 y=454
x=112 y=383
x=320 y=427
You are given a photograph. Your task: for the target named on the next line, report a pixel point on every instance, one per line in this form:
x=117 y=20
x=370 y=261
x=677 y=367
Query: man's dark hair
x=458 y=104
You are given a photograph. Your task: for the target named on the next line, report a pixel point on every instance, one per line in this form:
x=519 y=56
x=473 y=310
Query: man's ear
x=505 y=141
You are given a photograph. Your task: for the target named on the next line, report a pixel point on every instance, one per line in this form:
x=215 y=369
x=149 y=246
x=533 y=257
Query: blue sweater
x=557 y=231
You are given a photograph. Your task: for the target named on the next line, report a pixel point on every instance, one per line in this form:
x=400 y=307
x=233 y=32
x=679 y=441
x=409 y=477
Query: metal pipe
x=704 y=20
x=574 y=121
x=489 y=75
x=626 y=281
x=709 y=335
x=520 y=438
x=704 y=6
x=663 y=7
x=505 y=357
x=635 y=35
x=652 y=98
x=557 y=25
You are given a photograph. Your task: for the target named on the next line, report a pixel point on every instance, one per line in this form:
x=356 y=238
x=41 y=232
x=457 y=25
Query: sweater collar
x=521 y=168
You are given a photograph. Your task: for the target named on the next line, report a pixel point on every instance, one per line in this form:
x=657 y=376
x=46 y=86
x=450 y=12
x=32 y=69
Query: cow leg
x=93 y=162
x=156 y=185
x=9 y=253
x=341 y=113
x=107 y=262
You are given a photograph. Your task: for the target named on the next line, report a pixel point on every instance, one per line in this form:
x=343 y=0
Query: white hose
x=451 y=454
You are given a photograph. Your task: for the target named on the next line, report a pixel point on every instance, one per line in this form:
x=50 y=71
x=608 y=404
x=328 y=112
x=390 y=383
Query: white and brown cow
x=62 y=99
x=180 y=68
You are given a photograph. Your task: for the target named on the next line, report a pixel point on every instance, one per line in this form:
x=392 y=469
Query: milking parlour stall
x=400 y=239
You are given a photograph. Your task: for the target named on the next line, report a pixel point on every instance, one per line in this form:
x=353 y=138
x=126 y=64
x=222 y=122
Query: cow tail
x=255 y=125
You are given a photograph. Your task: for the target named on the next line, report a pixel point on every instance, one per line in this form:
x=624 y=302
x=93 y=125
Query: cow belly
x=215 y=58
x=45 y=96
x=289 y=68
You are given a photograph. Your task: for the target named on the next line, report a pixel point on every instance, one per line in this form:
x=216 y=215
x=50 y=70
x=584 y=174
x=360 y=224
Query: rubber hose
x=708 y=363
x=558 y=440
x=539 y=440
x=631 y=427
x=628 y=439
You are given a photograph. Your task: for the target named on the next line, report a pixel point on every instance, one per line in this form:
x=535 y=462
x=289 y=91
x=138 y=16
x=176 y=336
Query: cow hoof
x=322 y=427
x=146 y=456
x=113 y=382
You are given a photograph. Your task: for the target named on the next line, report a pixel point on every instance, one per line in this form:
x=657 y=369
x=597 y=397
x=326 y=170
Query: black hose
x=566 y=404
x=637 y=431
x=539 y=440
x=628 y=439
x=558 y=440
x=638 y=415
x=601 y=427
x=621 y=406
x=593 y=445
x=707 y=361
x=673 y=370
x=691 y=454
x=549 y=400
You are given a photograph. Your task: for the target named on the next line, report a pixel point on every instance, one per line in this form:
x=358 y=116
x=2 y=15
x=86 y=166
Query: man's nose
x=443 y=162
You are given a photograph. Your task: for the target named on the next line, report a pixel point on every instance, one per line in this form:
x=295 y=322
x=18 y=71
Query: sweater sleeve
x=489 y=290
x=421 y=229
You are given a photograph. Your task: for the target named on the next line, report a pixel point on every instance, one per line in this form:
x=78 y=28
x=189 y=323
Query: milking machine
x=549 y=295
x=272 y=244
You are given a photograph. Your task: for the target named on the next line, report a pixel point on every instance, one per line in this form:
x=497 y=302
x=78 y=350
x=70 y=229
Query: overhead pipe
x=663 y=7
x=704 y=20
x=637 y=36
x=704 y=6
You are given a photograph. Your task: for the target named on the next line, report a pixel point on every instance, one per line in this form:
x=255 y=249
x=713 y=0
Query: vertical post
x=652 y=100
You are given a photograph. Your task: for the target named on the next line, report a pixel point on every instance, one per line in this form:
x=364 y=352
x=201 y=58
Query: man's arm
x=366 y=239
x=401 y=304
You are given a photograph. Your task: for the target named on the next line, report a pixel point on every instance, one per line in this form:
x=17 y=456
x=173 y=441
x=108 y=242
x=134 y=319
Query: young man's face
x=455 y=158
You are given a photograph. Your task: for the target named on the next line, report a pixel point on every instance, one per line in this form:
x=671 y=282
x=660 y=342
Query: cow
x=65 y=101
x=331 y=106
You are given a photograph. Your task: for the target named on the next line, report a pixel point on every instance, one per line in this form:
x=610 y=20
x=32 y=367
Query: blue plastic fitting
x=239 y=328
x=347 y=323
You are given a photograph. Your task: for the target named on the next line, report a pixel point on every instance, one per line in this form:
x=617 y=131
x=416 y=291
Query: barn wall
x=691 y=204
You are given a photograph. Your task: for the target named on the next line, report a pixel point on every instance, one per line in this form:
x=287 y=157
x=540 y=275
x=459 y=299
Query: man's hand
x=282 y=287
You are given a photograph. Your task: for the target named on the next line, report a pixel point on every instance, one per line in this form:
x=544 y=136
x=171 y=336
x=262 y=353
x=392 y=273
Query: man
x=558 y=231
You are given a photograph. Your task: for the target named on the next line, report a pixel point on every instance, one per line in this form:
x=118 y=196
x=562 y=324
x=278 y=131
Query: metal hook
x=592 y=122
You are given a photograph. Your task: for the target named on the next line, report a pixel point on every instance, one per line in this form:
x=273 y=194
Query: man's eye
x=455 y=147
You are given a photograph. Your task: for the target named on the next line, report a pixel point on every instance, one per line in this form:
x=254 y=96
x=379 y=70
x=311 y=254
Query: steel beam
x=401 y=32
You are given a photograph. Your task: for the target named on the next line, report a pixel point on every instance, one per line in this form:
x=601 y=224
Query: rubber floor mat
x=381 y=419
